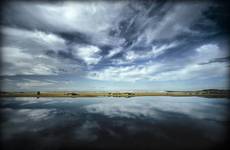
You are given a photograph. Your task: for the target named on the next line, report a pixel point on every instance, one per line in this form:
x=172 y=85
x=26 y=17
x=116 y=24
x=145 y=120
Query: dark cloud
x=75 y=37
x=219 y=14
x=215 y=60
x=132 y=39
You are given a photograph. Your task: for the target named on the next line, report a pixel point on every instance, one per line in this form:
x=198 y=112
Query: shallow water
x=107 y=122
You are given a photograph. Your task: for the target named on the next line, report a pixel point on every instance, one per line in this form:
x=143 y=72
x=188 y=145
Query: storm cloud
x=113 y=41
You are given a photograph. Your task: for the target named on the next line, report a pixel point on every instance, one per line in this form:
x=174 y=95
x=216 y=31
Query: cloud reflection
x=159 y=107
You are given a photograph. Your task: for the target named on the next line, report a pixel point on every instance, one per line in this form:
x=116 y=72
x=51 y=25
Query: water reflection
x=158 y=107
x=146 y=122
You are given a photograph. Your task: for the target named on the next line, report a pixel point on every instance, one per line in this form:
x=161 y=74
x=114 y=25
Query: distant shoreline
x=202 y=93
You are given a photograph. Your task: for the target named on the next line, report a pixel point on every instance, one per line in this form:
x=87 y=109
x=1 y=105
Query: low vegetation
x=203 y=93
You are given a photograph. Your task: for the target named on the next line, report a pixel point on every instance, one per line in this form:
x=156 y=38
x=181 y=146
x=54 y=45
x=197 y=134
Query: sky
x=113 y=45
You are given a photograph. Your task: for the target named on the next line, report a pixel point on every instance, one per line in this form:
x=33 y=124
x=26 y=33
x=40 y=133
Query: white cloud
x=18 y=61
x=131 y=56
x=114 y=52
x=154 y=52
x=24 y=52
x=121 y=61
x=194 y=71
x=32 y=41
x=49 y=40
x=179 y=19
x=12 y=54
x=90 y=18
x=93 y=19
x=97 y=19
x=159 y=50
x=208 y=52
x=168 y=71
x=87 y=53
x=128 y=73
x=29 y=83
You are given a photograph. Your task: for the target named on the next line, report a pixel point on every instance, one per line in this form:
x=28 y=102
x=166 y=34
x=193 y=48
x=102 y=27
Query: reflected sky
x=107 y=122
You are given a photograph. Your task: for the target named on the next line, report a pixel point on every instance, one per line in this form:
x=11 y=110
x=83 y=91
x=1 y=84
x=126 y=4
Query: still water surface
x=107 y=122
